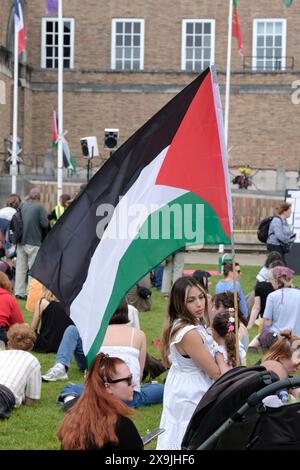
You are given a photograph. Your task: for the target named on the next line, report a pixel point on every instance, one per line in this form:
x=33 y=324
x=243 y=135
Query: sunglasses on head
x=125 y=379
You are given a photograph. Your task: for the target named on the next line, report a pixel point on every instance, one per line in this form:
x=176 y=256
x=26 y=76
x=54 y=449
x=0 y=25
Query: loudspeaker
x=89 y=147
x=111 y=137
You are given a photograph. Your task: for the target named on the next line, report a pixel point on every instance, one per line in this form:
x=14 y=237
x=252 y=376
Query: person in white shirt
x=20 y=371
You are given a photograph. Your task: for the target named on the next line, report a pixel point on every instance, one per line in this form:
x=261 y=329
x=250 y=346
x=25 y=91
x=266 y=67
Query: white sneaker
x=57 y=372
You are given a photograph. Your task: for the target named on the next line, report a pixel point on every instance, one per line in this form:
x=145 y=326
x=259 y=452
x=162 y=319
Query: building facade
x=125 y=59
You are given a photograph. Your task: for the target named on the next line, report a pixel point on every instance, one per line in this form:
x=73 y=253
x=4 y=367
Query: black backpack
x=15 y=230
x=263 y=229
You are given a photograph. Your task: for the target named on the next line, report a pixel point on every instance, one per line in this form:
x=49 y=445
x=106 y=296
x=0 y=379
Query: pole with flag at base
x=119 y=227
x=233 y=30
x=60 y=101
x=18 y=49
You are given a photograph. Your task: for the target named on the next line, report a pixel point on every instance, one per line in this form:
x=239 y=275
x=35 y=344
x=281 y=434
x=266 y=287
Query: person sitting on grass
x=121 y=340
x=223 y=331
x=20 y=371
x=227 y=284
x=10 y=312
x=282 y=310
x=222 y=303
x=100 y=418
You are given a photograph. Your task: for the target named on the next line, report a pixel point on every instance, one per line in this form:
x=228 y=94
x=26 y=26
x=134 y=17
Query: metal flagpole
x=226 y=122
x=60 y=101
x=228 y=71
x=14 y=166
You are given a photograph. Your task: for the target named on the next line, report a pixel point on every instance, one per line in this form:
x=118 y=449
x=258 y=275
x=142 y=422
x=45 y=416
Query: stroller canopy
x=222 y=401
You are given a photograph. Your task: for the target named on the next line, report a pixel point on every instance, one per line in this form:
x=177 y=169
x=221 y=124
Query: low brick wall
x=248 y=210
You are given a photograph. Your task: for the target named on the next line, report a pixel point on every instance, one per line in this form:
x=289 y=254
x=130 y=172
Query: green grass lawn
x=35 y=427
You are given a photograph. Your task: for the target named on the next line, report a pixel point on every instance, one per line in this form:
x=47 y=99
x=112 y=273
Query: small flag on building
x=140 y=207
x=68 y=160
x=287 y=2
x=236 y=28
x=19 y=25
x=54 y=130
x=51 y=6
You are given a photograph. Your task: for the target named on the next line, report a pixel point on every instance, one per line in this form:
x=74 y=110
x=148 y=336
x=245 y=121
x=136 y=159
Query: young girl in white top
x=223 y=331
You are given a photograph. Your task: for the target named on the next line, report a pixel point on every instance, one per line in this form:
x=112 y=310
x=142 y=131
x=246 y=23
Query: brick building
x=125 y=59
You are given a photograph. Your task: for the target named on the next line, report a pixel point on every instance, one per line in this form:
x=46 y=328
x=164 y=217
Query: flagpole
x=228 y=71
x=226 y=123
x=13 y=166
x=60 y=102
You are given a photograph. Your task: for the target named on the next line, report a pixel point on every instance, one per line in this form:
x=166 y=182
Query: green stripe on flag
x=144 y=254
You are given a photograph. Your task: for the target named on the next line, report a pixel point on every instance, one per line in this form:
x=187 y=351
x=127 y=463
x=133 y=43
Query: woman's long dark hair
x=91 y=422
x=178 y=312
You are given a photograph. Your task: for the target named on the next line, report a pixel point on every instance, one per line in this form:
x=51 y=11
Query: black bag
x=286 y=247
x=15 y=231
x=263 y=229
x=143 y=292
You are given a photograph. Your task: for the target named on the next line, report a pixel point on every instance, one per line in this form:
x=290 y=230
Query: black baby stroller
x=231 y=415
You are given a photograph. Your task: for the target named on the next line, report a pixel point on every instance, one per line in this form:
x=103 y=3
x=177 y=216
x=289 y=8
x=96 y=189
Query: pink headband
x=282 y=271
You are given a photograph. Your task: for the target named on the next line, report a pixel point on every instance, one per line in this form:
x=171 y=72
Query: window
x=127 y=51
x=50 y=43
x=269 y=44
x=198 y=44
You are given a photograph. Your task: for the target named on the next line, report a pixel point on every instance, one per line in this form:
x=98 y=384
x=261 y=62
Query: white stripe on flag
x=88 y=308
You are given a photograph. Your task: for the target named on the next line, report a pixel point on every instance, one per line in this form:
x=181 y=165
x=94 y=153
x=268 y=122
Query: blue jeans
x=71 y=346
x=150 y=394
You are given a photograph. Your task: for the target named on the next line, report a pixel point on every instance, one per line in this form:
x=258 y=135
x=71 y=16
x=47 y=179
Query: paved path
x=244 y=259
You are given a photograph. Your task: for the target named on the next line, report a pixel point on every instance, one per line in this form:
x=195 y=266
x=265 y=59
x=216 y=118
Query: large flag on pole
x=166 y=187
x=236 y=28
x=19 y=25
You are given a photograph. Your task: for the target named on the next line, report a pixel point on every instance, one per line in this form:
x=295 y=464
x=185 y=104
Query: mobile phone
x=152 y=435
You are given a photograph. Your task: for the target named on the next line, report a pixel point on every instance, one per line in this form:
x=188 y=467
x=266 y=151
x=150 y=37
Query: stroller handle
x=257 y=397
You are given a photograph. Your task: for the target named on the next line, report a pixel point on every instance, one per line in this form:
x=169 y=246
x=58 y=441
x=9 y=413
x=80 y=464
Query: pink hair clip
x=230 y=328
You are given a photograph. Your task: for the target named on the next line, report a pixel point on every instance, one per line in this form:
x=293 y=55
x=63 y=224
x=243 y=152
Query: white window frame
x=283 y=22
x=183 y=39
x=113 y=42
x=43 y=41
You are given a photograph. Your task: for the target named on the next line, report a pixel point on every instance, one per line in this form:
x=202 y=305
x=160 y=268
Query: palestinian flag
x=236 y=28
x=54 y=130
x=166 y=187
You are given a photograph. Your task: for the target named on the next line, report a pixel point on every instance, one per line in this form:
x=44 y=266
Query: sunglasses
x=238 y=271
x=125 y=379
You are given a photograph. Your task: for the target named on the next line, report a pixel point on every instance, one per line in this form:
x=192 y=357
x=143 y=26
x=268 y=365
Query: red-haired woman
x=99 y=419
x=10 y=312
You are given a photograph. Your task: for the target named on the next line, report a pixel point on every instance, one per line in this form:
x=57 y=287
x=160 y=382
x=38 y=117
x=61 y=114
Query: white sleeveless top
x=185 y=386
x=131 y=356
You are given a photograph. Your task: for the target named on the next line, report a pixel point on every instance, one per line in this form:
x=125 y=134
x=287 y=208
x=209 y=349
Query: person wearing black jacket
x=100 y=418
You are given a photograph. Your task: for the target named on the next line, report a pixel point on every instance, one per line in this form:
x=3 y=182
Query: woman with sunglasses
x=100 y=418
x=186 y=346
x=227 y=284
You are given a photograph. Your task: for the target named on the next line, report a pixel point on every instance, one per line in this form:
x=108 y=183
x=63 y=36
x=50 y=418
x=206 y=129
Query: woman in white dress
x=188 y=347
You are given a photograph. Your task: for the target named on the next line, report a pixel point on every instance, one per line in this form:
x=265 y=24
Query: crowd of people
x=200 y=341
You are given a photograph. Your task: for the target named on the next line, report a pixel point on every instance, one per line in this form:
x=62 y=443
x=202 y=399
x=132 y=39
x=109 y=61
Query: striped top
x=20 y=371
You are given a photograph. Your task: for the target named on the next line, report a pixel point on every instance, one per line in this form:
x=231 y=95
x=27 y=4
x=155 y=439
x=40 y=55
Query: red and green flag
x=167 y=187
x=236 y=28
x=54 y=130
